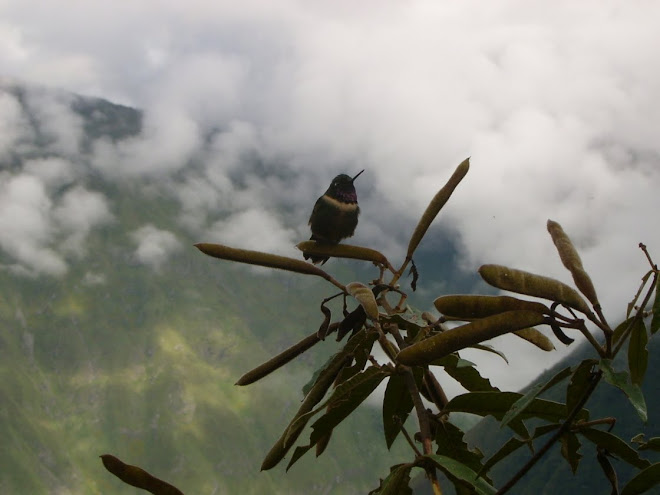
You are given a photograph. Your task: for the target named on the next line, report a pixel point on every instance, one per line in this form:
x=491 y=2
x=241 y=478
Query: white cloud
x=154 y=245
x=25 y=229
x=52 y=171
x=555 y=103
x=13 y=124
x=77 y=213
x=255 y=229
x=60 y=129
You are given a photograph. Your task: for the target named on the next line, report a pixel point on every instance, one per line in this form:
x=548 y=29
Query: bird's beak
x=358 y=174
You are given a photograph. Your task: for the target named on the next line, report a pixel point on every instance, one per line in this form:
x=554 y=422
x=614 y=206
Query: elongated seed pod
x=531 y=284
x=535 y=337
x=470 y=307
x=343 y=251
x=436 y=204
x=442 y=344
x=263 y=259
x=138 y=477
x=278 y=361
x=571 y=260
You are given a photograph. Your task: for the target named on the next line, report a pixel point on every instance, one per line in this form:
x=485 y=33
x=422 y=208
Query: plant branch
x=552 y=440
x=638 y=315
x=424 y=425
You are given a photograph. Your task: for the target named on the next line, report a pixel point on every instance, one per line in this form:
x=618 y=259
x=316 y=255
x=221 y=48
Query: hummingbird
x=335 y=214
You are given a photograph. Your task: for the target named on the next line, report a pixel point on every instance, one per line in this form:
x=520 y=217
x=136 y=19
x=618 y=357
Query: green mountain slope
x=117 y=357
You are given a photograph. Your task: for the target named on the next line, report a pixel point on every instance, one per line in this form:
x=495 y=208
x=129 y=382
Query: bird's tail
x=315 y=259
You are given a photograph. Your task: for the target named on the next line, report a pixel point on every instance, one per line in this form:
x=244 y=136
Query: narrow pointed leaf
x=580 y=381
x=323 y=382
x=462 y=472
x=497 y=404
x=570 y=447
x=491 y=349
x=436 y=205
x=608 y=470
x=615 y=446
x=620 y=379
x=397 y=405
x=534 y=285
x=396 y=482
x=300 y=451
x=652 y=444
x=638 y=354
x=655 y=321
x=622 y=328
x=346 y=397
x=450 y=442
x=526 y=400
x=511 y=445
x=514 y=444
x=643 y=481
x=465 y=373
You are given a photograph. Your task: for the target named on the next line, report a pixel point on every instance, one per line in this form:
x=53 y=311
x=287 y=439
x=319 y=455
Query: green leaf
x=396 y=482
x=652 y=444
x=345 y=399
x=308 y=386
x=487 y=348
x=511 y=445
x=397 y=405
x=462 y=472
x=297 y=454
x=526 y=400
x=493 y=403
x=360 y=356
x=608 y=470
x=580 y=381
x=655 y=322
x=570 y=447
x=465 y=373
x=621 y=329
x=449 y=439
x=514 y=444
x=638 y=354
x=620 y=379
x=322 y=384
x=614 y=445
x=643 y=481
x=498 y=403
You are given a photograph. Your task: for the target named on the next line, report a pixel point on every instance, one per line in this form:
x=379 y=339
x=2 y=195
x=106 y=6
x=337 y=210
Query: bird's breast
x=340 y=205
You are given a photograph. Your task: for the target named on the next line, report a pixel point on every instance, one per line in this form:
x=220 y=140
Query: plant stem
x=563 y=429
x=424 y=426
x=638 y=315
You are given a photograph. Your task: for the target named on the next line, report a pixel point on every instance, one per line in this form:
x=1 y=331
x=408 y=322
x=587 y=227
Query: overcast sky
x=556 y=103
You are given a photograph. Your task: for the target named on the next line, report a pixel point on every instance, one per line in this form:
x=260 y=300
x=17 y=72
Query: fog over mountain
x=250 y=109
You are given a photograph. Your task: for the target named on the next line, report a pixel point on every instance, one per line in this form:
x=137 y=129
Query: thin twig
x=562 y=429
x=424 y=426
x=639 y=315
x=642 y=246
x=410 y=440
